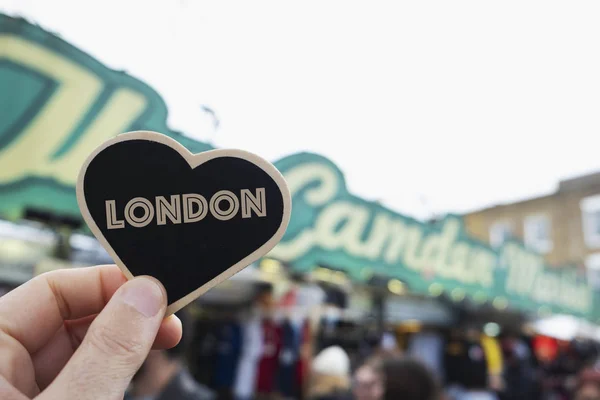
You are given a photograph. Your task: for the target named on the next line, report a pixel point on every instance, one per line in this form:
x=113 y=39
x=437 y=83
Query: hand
x=80 y=333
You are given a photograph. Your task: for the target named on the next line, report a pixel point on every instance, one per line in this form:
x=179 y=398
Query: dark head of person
x=165 y=374
x=394 y=378
x=408 y=379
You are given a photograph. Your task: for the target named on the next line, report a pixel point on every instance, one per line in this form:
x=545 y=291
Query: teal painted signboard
x=57 y=104
x=332 y=227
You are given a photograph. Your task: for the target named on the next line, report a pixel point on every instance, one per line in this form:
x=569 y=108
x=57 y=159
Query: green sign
x=331 y=227
x=56 y=105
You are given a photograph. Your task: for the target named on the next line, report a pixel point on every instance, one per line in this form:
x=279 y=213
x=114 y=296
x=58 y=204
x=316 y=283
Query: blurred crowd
x=573 y=374
x=569 y=370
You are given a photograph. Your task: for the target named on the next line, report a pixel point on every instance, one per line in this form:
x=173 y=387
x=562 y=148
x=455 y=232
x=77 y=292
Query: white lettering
x=340 y=225
x=185 y=208
x=484 y=263
x=215 y=205
x=188 y=208
x=257 y=203
x=300 y=178
x=145 y=205
x=303 y=175
x=397 y=243
x=528 y=277
x=165 y=209
x=379 y=235
x=411 y=254
x=111 y=218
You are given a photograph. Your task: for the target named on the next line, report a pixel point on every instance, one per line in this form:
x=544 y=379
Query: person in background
x=164 y=375
x=330 y=375
x=388 y=346
x=560 y=373
x=409 y=379
x=467 y=362
x=427 y=346
x=369 y=381
x=519 y=372
x=394 y=378
x=588 y=384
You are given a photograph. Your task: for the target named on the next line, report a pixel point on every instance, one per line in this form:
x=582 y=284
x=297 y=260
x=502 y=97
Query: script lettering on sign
x=376 y=235
x=528 y=277
x=337 y=229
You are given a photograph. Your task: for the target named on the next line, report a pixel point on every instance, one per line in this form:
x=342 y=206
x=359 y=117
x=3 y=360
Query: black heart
x=183 y=256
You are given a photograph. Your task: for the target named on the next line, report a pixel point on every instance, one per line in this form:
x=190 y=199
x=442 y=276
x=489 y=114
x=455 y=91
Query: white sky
x=461 y=103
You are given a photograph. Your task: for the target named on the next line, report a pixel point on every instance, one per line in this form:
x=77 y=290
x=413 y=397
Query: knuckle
x=110 y=341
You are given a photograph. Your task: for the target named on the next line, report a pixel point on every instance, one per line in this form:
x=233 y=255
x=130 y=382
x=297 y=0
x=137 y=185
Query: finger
x=115 y=345
x=35 y=311
x=169 y=333
x=16 y=367
x=9 y=392
x=51 y=359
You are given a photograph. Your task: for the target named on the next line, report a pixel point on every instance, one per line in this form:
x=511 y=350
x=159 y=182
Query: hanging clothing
x=328 y=330
x=465 y=364
x=519 y=373
x=203 y=352
x=336 y=297
x=229 y=349
x=303 y=365
x=252 y=348
x=288 y=359
x=493 y=355
x=545 y=348
x=269 y=360
x=309 y=295
x=428 y=347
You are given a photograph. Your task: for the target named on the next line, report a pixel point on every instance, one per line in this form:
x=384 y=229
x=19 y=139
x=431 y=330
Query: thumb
x=115 y=345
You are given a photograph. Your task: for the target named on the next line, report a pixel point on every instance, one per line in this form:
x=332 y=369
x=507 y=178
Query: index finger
x=33 y=312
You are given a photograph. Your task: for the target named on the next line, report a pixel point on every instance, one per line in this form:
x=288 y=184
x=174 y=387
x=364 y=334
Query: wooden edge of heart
x=193 y=160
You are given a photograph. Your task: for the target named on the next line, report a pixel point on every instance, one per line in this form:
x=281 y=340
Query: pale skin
x=80 y=333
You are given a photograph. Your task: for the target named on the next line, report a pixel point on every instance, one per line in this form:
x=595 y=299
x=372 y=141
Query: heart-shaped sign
x=189 y=220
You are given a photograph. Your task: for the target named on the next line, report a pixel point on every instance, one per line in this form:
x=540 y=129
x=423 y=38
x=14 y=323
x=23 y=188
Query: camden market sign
x=330 y=226
x=57 y=104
